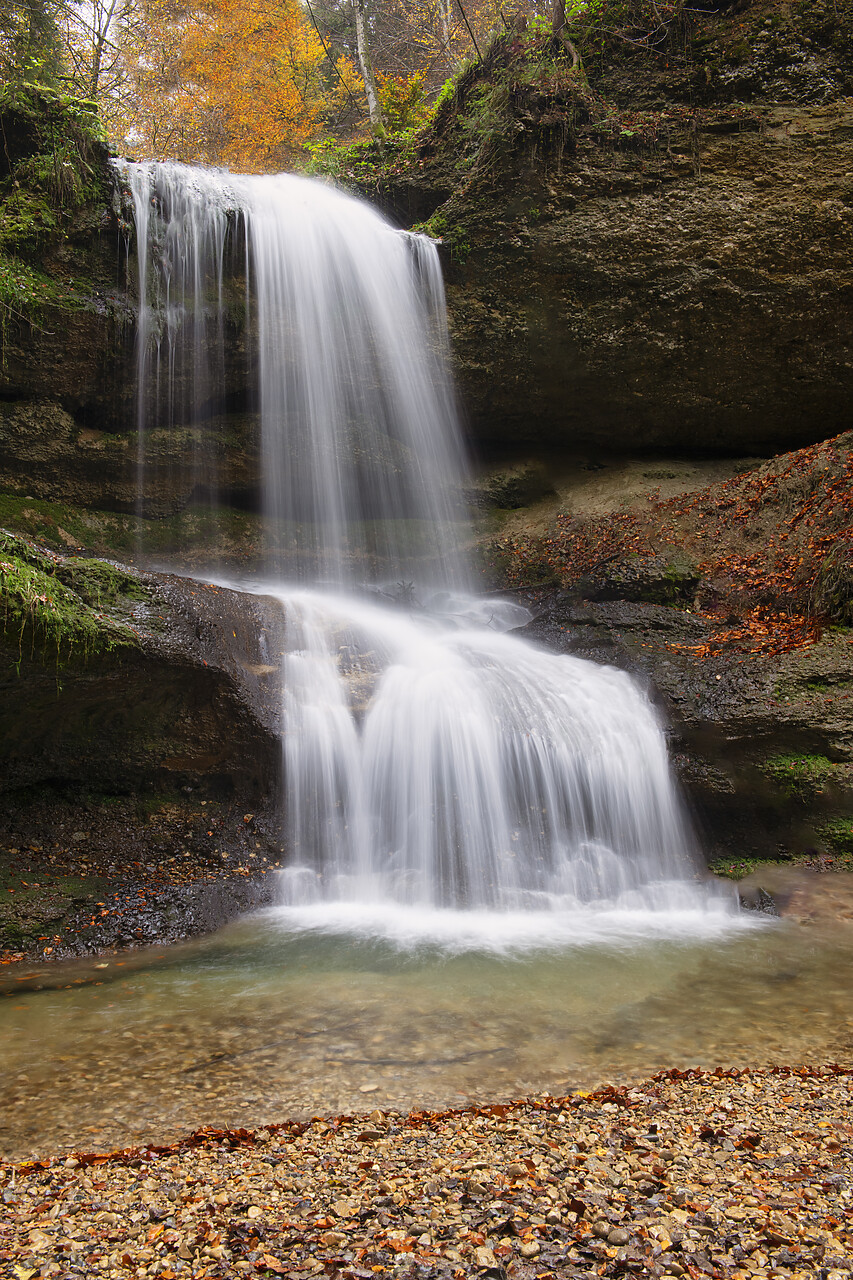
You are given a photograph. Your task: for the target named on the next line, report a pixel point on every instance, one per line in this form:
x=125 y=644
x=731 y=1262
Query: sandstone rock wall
x=675 y=270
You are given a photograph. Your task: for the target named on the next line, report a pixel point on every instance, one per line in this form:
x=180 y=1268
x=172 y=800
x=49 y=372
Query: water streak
x=343 y=320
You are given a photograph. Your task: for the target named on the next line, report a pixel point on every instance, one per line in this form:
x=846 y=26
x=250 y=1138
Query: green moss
x=804 y=776
x=53 y=162
x=20 y=291
x=841 y=858
x=358 y=163
x=158 y=802
x=737 y=868
x=838 y=834
x=44 y=617
x=54 y=144
x=101 y=585
x=25 y=218
x=59 y=525
x=25 y=292
x=36 y=913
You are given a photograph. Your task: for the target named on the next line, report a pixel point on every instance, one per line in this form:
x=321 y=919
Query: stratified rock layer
x=651 y=249
x=706 y=304
x=663 y=256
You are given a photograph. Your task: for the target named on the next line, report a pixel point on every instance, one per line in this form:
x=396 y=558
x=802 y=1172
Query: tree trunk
x=558 y=22
x=377 y=124
x=446 y=18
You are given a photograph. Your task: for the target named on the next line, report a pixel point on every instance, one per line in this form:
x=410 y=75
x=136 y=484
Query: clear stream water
x=492 y=886
x=304 y=1010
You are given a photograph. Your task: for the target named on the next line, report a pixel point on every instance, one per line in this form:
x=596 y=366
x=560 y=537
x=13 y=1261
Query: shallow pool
x=288 y=1013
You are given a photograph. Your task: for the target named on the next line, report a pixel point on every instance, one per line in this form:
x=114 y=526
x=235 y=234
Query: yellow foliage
x=403 y=100
x=233 y=82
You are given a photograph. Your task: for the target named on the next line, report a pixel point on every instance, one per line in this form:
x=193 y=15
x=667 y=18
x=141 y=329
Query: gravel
x=720 y=1174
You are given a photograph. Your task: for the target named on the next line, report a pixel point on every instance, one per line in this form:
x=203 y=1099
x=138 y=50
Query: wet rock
x=658 y=579
x=758 y=899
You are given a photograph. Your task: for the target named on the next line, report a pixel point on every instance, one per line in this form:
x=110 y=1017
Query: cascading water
x=445 y=763
x=431 y=759
x=361 y=461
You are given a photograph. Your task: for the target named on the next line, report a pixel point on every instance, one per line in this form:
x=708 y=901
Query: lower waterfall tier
x=434 y=759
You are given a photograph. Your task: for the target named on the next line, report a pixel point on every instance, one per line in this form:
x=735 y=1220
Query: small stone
x=368 y=1088
x=254 y=1211
x=517 y=1170
x=601 y=1228
x=618 y=1236
x=333 y=1239
x=484 y=1257
x=529 y=1249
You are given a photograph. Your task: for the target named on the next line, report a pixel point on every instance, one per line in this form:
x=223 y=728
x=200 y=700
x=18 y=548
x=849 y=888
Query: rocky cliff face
x=729 y=589
x=68 y=310
x=701 y=302
x=115 y=681
x=656 y=253
x=140 y=736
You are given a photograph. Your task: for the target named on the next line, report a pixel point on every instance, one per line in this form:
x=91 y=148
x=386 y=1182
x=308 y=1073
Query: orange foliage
x=234 y=82
x=774 y=547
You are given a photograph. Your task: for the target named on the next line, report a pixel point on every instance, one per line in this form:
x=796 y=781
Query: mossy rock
x=838 y=834
x=804 y=776
x=55 y=611
x=654 y=579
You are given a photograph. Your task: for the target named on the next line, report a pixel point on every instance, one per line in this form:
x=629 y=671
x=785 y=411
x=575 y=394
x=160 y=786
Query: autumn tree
x=420 y=37
x=235 y=82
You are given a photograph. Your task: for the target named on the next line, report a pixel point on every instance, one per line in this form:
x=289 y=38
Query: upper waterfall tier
x=345 y=364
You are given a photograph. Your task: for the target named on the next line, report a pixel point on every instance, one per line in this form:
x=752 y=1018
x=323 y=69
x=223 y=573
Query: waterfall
x=431 y=758
x=360 y=452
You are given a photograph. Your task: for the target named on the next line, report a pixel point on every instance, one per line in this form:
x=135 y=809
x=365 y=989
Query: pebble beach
x=741 y=1173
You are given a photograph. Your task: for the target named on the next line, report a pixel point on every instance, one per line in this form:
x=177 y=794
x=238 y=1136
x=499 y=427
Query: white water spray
x=431 y=759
